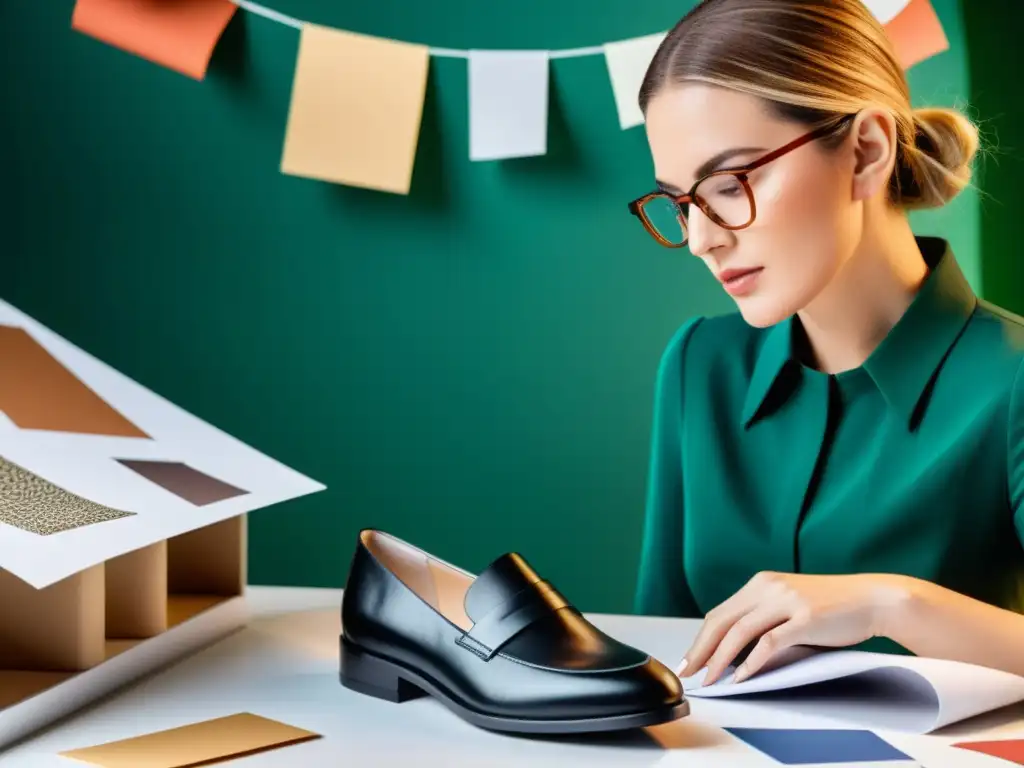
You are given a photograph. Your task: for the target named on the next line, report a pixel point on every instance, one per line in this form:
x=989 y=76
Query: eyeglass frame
x=739 y=172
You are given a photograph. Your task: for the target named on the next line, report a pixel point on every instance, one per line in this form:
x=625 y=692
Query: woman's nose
x=704 y=234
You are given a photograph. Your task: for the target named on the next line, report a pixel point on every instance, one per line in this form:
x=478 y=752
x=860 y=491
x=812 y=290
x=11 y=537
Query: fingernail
x=682 y=667
x=740 y=673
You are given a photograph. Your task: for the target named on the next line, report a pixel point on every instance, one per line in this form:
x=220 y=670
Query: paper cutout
x=802 y=747
x=33 y=504
x=180 y=35
x=356 y=108
x=195 y=744
x=627 y=62
x=885 y=10
x=184 y=481
x=86 y=465
x=1011 y=750
x=916 y=33
x=508 y=104
x=38 y=392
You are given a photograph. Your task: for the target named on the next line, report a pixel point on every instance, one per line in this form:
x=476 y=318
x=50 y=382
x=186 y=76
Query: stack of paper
x=885 y=691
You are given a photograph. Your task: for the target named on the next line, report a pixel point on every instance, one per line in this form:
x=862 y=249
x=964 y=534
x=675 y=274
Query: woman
x=842 y=460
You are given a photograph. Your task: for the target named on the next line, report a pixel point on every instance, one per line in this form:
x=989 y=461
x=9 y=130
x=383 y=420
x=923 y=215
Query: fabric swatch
x=38 y=392
x=195 y=744
x=33 y=504
x=184 y=481
x=802 y=747
x=1011 y=750
x=180 y=35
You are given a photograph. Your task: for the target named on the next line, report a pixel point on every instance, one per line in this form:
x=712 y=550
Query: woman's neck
x=848 y=320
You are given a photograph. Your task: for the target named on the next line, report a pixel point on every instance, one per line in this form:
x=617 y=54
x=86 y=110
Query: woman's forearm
x=931 y=621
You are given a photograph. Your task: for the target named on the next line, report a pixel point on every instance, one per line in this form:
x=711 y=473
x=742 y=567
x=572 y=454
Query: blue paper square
x=800 y=746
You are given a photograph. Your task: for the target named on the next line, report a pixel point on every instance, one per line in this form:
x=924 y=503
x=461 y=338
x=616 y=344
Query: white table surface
x=284 y=665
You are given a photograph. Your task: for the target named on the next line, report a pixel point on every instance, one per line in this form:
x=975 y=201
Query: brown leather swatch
x=201 y=743
x=184 y=481
x=38 y=392
x=33 y=504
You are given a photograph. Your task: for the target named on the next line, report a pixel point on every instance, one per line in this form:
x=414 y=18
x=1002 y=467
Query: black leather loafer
x=503 y=650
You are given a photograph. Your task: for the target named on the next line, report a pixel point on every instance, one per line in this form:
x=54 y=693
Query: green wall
x=997 y=61
x=470 y=367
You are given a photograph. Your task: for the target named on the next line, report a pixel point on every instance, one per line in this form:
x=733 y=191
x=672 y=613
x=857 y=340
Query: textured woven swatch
x=33 y=504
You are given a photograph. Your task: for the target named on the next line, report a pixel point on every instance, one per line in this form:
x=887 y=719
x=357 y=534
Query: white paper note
x=508 y=104
x=627 y=62
x=886 y=10
x=879 y=690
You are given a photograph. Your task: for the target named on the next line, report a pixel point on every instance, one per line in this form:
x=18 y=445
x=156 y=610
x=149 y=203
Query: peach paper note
x=916 y=33
x=356 y=107
x=196 y=744
x=178 y=34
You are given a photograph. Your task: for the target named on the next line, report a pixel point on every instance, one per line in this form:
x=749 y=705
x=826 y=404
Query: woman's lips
x=739 y=282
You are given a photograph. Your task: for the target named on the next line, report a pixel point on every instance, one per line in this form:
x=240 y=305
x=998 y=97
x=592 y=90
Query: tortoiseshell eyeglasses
x=723 y=195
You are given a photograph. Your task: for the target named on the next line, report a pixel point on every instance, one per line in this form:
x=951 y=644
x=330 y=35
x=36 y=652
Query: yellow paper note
x=916 y=33
x=356 y=108
x=195 y=744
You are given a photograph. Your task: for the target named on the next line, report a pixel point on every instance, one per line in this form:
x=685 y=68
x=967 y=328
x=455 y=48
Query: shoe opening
x=439 y=584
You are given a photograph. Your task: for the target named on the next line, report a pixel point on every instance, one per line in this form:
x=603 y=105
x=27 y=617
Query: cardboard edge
x=47 y=707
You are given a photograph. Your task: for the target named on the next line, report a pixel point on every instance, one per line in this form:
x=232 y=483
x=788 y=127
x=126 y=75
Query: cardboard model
x=122 y=527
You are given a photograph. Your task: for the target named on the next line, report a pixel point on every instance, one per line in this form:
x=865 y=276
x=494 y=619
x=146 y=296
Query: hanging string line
x=452 y=53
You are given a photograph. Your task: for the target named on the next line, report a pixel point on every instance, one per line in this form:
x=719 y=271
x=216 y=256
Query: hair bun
x=939 y=164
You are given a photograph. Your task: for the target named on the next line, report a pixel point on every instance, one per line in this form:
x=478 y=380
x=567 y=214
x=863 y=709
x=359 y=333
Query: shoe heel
x=375 y=677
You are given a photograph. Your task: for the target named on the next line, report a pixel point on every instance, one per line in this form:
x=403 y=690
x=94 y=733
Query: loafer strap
x=508 y=619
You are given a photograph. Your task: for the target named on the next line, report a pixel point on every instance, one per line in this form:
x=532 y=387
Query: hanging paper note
x=885 y=10
x=508 y=104
x=916 y=33
x=179 y=35
x=356 y=108
x=627 y=64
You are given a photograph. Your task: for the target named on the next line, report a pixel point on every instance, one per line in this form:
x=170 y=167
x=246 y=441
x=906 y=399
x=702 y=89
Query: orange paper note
x=356 y=107
x=178 y=34
x=196 y=744
x=916 y=33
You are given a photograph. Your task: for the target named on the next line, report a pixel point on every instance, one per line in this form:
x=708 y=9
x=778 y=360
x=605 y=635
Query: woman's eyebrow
x=712 y=164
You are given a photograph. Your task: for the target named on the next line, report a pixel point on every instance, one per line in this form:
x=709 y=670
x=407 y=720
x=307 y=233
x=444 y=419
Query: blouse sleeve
x=661 y=588
x=1015 y=452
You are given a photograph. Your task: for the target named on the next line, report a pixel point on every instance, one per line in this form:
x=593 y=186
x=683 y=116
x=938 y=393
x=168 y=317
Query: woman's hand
x=784 y=609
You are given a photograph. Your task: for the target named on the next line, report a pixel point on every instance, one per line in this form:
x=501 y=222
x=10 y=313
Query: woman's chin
x=762 y=311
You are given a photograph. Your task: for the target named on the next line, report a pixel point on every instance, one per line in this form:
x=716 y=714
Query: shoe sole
x=368 y=674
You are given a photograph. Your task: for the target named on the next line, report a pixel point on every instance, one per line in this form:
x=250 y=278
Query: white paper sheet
x=85 y=465
x=886 y=10
x=508 y=104
x=627 y=62
x=885 y=691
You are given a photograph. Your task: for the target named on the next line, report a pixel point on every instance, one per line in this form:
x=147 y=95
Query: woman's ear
x=875 y=141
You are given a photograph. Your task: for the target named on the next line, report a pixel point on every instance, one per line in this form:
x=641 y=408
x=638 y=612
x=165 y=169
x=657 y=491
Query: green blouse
x=912 y=463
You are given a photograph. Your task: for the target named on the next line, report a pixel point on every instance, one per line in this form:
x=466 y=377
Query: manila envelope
x=196 y=744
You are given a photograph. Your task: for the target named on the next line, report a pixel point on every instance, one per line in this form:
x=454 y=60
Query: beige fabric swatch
x=194 y=744
x=33 y=504
x=356 y=108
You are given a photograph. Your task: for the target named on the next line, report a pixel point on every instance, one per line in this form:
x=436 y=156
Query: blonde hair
x=816 y=61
